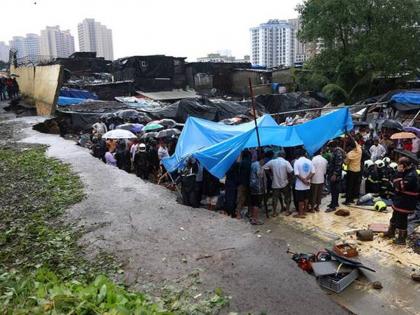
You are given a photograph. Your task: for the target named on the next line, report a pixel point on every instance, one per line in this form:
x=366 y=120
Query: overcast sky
x=189 y=28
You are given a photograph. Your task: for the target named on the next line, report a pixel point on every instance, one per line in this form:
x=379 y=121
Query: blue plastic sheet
x=67 y=101
x=200 y=133
x=408 y=98
x=75 y=93
x=218 y=158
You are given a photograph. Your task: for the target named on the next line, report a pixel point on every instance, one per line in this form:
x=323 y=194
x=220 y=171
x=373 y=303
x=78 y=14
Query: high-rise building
x=299 y=49
x=95 y=37
x=56 y=43
x=18 y=43
x=32 y=49
x=275 y=43
x=4 y=52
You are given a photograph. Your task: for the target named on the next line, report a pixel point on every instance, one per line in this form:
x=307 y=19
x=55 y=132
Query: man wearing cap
x=404 y=201
x=334 y=173
x=141 y=162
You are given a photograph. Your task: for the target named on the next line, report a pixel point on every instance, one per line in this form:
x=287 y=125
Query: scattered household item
x=416 y=277
x=347 y=261
x=342 y=212
x=364 y=235
x=119 y=134
x=377 y=285
x=403 y=135
x=337 y=282
x=378 y=227
x=345 y=250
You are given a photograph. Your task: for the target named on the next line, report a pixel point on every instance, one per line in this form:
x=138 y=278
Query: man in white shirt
x=304 y=170
x=317 y=181
x=280 y=169
x=377 y=151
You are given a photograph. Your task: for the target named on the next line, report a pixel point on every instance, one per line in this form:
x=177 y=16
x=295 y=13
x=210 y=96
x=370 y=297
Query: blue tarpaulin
x=75 y=93
x=200 y=133
x=409 y=97
x=217 y=146
x=218 y=158
x=67 y=101
x=406 y=101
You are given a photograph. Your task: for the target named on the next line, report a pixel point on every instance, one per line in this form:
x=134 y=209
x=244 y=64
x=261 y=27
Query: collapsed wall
x=40 y=86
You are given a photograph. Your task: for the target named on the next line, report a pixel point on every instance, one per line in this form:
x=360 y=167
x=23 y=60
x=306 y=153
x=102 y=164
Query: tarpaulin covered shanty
x=219 y=157
x=407 y=100
x=277 y=103
x=199 y=133
x=214 y=110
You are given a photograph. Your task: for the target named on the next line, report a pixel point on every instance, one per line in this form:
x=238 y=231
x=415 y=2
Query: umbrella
x=167 y=133
x=152 y=127
x=119 y=134
x=413 y=129
x=408 y=154
x=136 y=128
x=403 y=135
x=167 y=123
x=128 y=114
x=125 y=126
x=392 y=124
x=107 y=116
x=149 y=135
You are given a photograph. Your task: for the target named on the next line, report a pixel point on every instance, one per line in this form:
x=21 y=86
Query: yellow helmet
x=380 y=206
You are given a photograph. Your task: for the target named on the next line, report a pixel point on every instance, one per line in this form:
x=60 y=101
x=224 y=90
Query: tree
x=362 y=40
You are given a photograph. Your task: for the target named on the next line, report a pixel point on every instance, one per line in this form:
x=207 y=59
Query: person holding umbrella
x=404 y=201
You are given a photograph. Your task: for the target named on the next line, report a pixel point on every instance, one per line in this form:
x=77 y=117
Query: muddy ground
x=161 y=242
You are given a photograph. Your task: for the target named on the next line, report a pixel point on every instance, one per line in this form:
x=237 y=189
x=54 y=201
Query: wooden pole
x=251 y=93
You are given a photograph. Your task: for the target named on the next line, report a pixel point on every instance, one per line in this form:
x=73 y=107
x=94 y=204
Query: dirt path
x=161 y=241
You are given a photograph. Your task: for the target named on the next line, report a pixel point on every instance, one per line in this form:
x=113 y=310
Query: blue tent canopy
x=218 y=158
x=217 y=146
x=200 y=133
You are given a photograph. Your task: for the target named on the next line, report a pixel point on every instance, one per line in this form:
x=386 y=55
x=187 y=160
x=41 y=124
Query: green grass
x=42 y=267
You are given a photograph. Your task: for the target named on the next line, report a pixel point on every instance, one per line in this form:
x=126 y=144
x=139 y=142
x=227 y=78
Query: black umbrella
x=168 y=123
x=128 y=114
x=408 y=154
x=392 y=124
x=149 y=135
x=168 y=133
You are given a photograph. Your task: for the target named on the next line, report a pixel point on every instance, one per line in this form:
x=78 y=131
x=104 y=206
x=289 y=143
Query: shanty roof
x=169 y=95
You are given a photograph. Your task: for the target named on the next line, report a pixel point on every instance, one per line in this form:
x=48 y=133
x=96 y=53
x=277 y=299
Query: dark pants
x=353 y=186
x=231 y=192
x=316 y=194
x=335 y=191
x=400 y=220
x=142 y=172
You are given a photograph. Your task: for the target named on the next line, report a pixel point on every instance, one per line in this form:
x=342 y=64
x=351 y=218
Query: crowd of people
x=9 y=88
x=274 y=180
